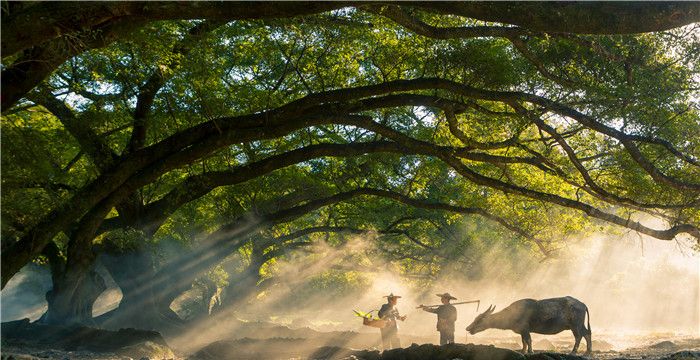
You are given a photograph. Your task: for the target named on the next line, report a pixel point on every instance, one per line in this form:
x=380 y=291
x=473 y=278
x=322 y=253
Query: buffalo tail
x=589 y=321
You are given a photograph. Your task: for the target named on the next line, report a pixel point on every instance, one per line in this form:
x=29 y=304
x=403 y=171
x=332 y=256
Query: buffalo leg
x=589 y=344
x=577 y=337
x=527 y=342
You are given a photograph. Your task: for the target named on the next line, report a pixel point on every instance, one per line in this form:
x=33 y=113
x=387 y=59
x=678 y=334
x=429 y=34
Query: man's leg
x=395 y=341
x=386 y=339
x=450 y=337
x=443 y=338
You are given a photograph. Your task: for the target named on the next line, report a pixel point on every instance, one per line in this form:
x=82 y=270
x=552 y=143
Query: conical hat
x=392 y=296
x=446 y=295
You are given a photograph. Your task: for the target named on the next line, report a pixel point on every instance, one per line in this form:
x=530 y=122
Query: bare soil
x=22 y=340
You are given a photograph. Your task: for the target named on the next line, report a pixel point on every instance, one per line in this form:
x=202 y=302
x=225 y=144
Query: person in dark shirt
x=447 y=315
x=390 y=332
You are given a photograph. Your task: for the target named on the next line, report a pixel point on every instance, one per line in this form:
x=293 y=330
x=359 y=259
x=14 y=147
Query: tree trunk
x=241 y=289
x=244 y=285
x=140 y=306
x=72 y=298
x=75 y=289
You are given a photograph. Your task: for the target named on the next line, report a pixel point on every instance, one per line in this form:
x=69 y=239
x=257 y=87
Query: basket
x=378 y=323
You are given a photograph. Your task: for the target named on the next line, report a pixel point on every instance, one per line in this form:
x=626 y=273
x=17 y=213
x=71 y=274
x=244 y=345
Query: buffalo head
x=480 y=323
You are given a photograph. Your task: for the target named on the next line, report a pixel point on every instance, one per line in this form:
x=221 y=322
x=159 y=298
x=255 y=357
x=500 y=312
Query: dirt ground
x=290 y=348
x=21 y=340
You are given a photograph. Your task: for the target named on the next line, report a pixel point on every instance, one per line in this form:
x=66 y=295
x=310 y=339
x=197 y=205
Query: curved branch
x=507 y=97
x=459 y=134
x=68 y=29
x=479 y=179
x=197 y=186
x=513 y=34
x=405 y=19
x=147 y=164
x=135 y=171
x=626 y=140
x=90 y=142
x=575 y=17
x=161 y=73
x=571 y=154
x=36 y=63
x=65 y=19
x=229 y=237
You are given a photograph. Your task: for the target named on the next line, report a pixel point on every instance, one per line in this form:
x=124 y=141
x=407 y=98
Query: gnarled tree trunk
x=75 y=289
x=141 y=306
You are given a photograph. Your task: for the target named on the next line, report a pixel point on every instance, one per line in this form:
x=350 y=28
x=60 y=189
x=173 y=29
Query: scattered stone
x=18 y=357
x=338 y=353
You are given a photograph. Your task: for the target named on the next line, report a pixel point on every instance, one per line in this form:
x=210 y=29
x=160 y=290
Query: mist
x=631 y=284
x=634 y=286
x=24 y=295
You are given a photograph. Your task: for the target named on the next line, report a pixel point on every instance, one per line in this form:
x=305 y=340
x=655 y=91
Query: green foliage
x=126 y=239
x=644 y=85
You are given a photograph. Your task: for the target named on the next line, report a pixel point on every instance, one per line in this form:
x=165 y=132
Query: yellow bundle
x=370 y=320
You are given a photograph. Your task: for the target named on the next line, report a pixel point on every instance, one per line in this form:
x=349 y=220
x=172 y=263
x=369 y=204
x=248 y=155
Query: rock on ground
x=124 y=343
x=683 y=355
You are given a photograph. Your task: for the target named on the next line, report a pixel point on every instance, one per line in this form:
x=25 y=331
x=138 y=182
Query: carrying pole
x=478 y=302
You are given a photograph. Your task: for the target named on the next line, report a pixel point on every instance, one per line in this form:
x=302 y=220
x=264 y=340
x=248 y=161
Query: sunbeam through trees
x=218 y=164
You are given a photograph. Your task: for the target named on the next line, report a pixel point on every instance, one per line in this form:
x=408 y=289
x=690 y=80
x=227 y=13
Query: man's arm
x=398 y=315
x=433 y=310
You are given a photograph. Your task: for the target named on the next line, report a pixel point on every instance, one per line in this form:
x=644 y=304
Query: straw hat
x=446 y=295
x=392 y=296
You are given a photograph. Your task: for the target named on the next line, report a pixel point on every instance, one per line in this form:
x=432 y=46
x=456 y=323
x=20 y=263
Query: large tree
x=409 y=104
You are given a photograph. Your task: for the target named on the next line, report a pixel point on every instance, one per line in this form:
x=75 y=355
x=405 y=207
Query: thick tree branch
x=63 y=19
x=479 y=179
x=161 y=73
x=90 y=142
x=181 y=148
x=64 y=31
x=100 y=195
x=507 y=97
x=405 y=19
x=574 y=17
x=36 y=63
x=228 y=238
x=571 y=154
x=197 y=186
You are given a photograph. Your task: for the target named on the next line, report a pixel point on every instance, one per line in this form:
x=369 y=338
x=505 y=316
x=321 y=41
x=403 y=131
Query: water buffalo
x=548 y=316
